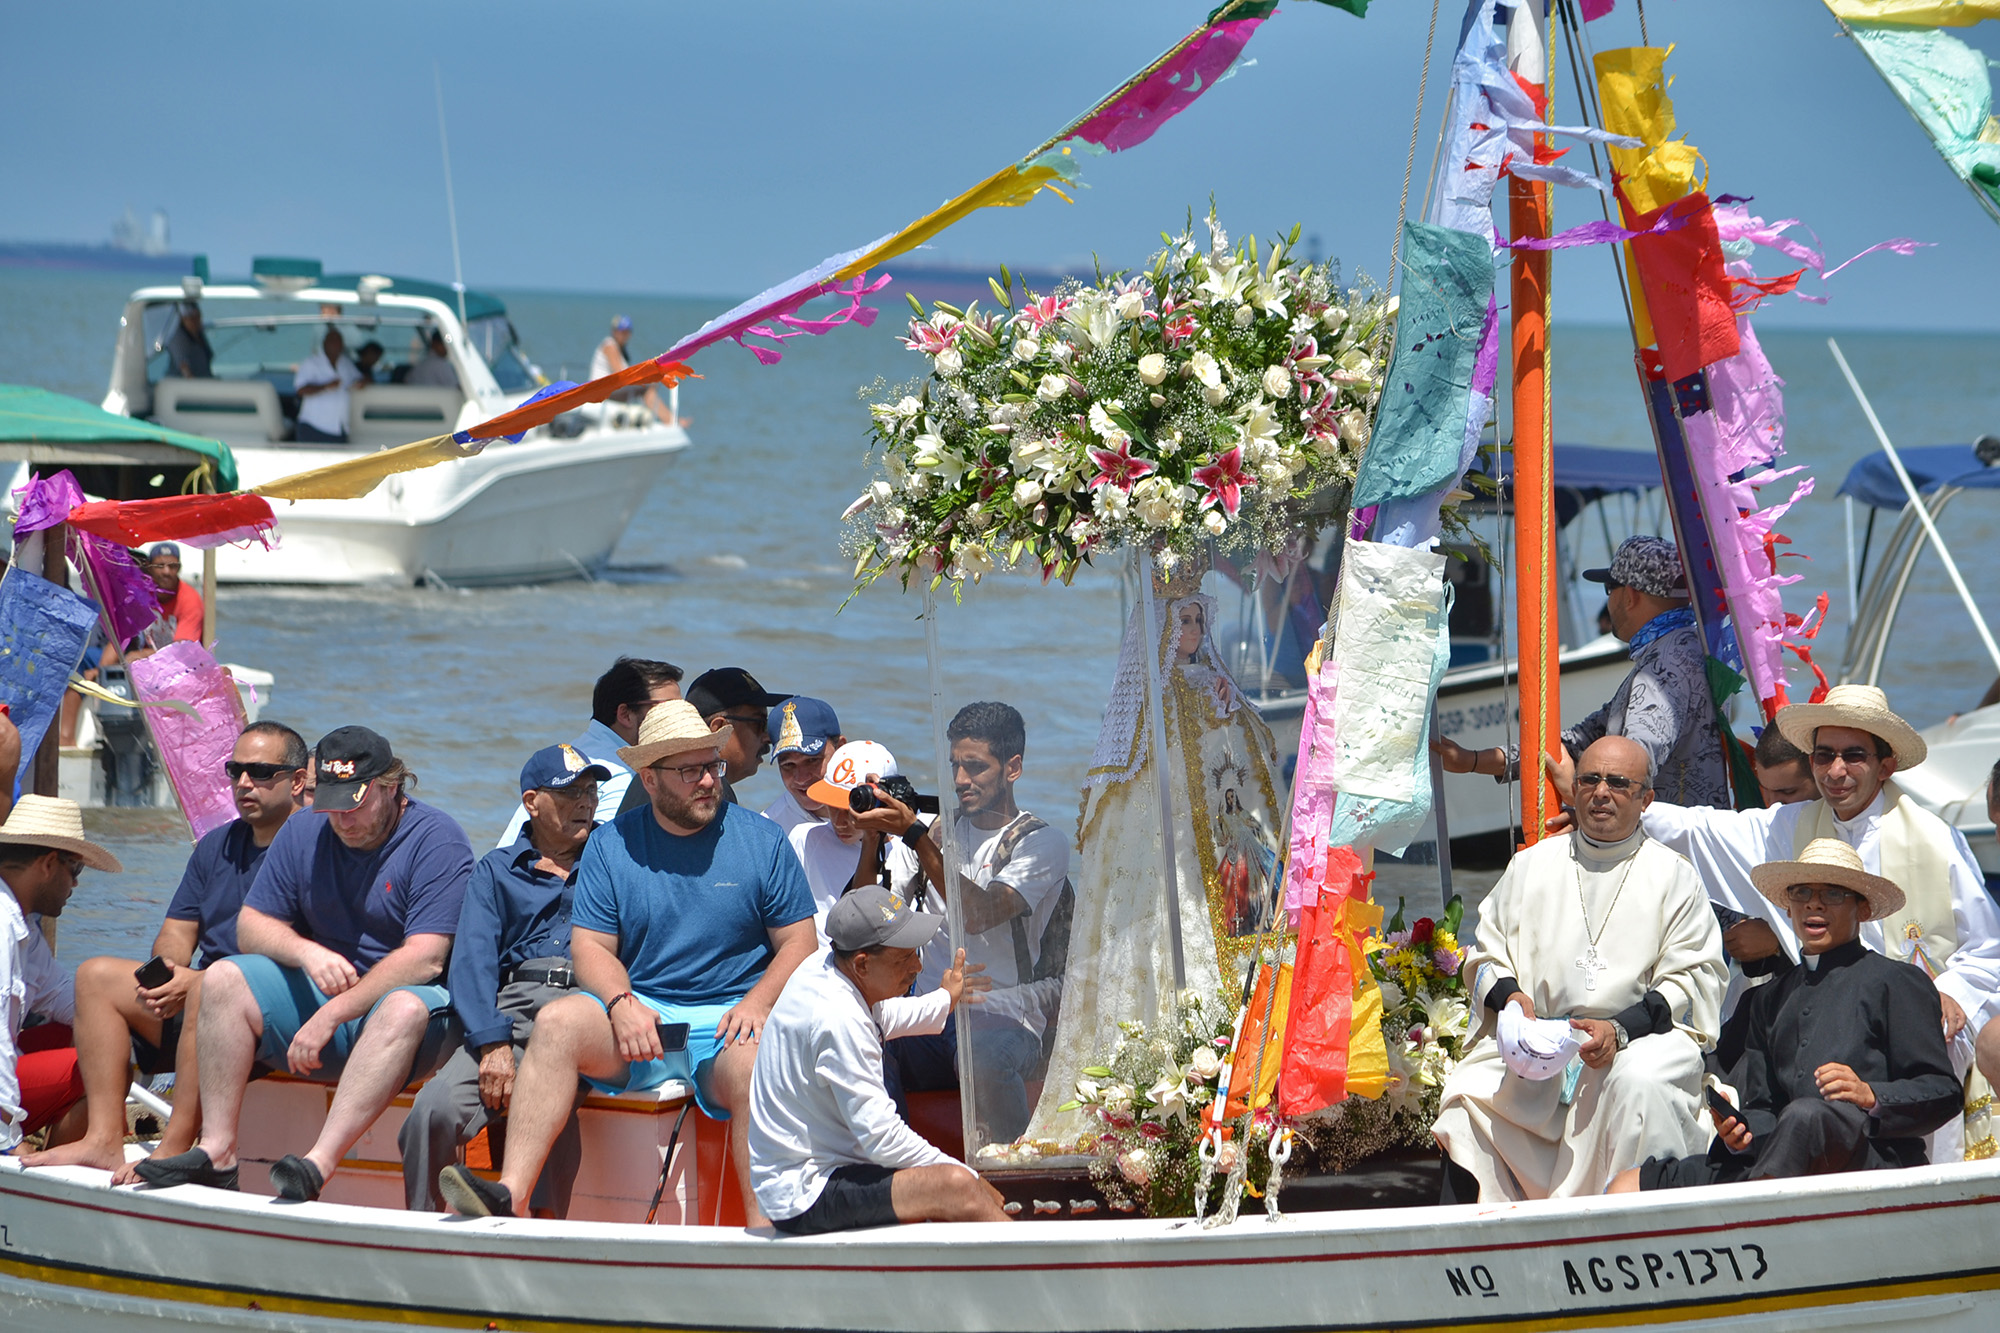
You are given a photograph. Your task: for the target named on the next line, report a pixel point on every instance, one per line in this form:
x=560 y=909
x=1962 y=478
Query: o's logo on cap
x=843 y=772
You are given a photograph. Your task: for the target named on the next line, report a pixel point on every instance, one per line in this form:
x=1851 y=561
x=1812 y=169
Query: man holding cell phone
x=129 y=1012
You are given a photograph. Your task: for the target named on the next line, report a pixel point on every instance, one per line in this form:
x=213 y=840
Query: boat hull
x=1902 y=1249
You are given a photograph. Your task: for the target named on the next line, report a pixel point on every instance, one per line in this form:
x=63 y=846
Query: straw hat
x=670 y=728
x=1828 y=861
x=1863 y=707
x=50 y=821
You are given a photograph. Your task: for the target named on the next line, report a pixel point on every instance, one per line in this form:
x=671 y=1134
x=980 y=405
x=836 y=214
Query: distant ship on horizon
x=134 y=247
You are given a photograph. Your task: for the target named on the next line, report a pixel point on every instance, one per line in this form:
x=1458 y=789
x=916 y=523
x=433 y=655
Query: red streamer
x=185 y=518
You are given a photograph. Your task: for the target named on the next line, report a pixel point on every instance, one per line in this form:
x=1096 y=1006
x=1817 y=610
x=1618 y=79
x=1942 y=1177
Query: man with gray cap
x=828 y=1152
x=1663 y=703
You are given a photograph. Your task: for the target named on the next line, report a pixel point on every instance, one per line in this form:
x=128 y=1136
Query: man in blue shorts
x=350 y=918
x=687 y=910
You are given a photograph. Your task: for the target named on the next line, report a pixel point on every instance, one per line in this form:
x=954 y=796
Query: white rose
x=1278 y=381
x=1215 y=522
x=1205 y=369
x=882 y=492
x=1205 y=1063
x=949 y=362
x=1026 y=349
x=1136 y=1166
x=1158 y=501
x=1152 y=368
x=1333 y=319
x=1052 y=388
x=1354 y=427
x=1214 y=395
x=1244 y=314
x=1131 y=305
x=1062 y=352
x=1027 y=493
x=1157 y=399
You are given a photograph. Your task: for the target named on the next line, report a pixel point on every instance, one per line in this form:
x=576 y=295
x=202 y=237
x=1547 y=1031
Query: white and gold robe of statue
x=1514 y=1134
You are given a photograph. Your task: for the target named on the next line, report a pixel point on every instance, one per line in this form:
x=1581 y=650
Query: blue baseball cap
x=802 y=725
x=557 y=767
x=622 y=322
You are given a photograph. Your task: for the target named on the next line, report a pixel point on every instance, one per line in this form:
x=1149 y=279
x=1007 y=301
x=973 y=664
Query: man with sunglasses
x=509 y=959
x=690 y=911
x=1838 y=1063
x=1948 y=926
x=120 y=1020
x=738 y=710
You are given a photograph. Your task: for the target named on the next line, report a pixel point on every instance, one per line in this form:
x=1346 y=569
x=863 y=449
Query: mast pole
x=1529 y=214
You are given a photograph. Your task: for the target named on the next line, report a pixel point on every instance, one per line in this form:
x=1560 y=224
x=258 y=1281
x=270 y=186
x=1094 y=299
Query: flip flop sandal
x=470 y=1196
x=192 y=1167
x=296 y=1179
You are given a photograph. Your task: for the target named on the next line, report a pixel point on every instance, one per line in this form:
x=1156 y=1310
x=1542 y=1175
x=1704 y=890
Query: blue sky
x=716 y=149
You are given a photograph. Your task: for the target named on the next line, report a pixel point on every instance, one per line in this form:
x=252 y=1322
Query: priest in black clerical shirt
x=1839 y=1061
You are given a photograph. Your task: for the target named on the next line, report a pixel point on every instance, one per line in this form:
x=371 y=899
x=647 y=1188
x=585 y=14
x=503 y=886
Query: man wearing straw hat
x=688 y=910
x=1839 y=1062
x=1949 y=926
x=42 y=851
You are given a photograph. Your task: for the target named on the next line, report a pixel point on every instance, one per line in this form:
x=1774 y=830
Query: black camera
x=863 y=799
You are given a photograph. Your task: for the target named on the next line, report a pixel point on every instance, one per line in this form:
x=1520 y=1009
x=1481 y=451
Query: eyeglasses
x=1802 y=894
x=1618 y=782
x=757 y=720
x=257 y=772
x=71 y=864
x=692 y=773
x=576 y=791
x=1823 y=756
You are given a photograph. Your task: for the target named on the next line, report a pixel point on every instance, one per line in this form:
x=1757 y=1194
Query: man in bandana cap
x=1663 y=703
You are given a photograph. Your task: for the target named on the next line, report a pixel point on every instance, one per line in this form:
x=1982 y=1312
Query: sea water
x=735 y=560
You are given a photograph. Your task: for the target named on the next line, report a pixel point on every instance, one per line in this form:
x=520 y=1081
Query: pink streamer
x=1672 y=218
x=193 y=749
x=1168 y=90
x=1733 y=222
x=129 y=597
x=1593 y=10
x=1313 y=794
x=780 y=303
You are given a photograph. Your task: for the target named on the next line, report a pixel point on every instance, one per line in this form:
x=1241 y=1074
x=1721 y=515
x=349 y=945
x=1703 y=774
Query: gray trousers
x=448 y=1114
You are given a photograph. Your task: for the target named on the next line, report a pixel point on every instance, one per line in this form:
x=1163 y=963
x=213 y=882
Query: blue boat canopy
x=1873 y=481
x=1586 y=473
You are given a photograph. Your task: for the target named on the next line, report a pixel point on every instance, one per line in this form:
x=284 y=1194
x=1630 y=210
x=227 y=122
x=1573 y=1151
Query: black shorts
x=853 y=1197
x=154 y=1060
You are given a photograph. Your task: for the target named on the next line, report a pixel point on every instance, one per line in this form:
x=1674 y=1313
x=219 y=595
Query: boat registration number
x=1607 y=1274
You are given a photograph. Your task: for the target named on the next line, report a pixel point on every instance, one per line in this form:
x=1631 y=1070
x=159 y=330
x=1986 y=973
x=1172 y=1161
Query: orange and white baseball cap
x=855 y=764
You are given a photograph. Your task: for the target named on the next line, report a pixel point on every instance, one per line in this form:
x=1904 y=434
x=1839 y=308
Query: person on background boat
x=1949 y=926
x=180 y=604
x=828 y=1152
x=838 y=853
x=610 y=358
x=688 y=910
x=343 y=935
x=1609 y=932
x=1839 y=1063
x=189 y=356
x=509 y=960
x=324 y=382
x=121 y=1021
x=366 y=358
x=803 y=732
x=619 y=702
x=738 y=709
x=1663 y=703
x=434 y=367
x=42 y=852
x=1784 y=771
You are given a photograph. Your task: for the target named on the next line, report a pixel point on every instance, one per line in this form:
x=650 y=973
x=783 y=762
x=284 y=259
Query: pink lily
x=1041 y=313
x=929 y=339
x=1178 y=329
x=1225 y=481
x=1119 y=468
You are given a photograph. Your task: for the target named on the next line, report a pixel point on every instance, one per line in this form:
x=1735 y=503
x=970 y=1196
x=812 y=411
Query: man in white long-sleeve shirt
x=827 y=1150
x=1950 y=926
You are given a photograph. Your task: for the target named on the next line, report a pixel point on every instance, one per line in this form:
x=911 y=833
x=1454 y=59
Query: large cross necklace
x=1589 y=962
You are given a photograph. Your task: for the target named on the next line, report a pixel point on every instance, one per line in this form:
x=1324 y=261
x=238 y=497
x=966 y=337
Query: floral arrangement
x=1218 y=394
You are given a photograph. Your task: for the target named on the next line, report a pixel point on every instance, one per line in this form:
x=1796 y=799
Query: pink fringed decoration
x=1167 y=90
x=1313 y=794
x=194 y=749
x=781 y=303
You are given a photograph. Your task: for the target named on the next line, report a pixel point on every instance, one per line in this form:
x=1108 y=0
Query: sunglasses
x=1823 y=756
x=1829 y=896
x=1618 y=782
x=257 y=772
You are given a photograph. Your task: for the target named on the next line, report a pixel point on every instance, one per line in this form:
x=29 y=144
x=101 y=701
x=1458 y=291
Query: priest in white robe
x=1949 y=927
x=1608 y=931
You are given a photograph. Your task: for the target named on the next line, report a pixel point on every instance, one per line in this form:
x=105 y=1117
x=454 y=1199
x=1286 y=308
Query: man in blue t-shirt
x=687 y=911
x=348 y=922
x=120 y=1019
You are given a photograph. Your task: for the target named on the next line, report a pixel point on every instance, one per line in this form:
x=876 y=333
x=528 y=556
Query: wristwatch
x=1618 y=1031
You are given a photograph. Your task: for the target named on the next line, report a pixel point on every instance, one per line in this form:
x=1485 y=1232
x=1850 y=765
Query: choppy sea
x=734 y=559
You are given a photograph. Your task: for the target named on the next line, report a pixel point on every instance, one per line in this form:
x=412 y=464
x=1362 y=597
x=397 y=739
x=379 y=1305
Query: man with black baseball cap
x=1663 y=703
x=343 y=935
x=828 y=1152
x=510 y=958
x=731 y=701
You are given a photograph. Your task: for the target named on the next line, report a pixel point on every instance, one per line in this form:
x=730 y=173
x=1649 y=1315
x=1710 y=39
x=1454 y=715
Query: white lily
x=1169 y=1098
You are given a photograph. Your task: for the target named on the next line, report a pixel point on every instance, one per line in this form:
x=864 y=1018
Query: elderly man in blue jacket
x=510 y=958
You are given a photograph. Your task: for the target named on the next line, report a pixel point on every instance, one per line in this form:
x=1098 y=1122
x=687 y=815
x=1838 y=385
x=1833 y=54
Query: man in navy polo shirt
x=119 y=1019
x=687 y=910
x=510 y=958
x=349 y=921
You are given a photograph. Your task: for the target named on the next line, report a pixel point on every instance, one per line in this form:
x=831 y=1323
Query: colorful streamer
x=1916 y=13
x=195 y=744
x=202 y=521
x=131 y=599
x=44 y=629
x=1334 y=1047
x=1946 y=86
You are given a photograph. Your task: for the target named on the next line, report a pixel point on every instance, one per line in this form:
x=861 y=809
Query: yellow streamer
x=1367 y=1052
x=1010 y=187
x=1915 y=13
x=353 y=479
x=1632 y=86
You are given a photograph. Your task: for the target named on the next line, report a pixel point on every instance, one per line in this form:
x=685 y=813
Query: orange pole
x=1529 y=214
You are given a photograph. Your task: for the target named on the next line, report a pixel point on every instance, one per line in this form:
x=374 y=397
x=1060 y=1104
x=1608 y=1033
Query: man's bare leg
x=108 y=1012
x=572 y=1037
x=231 y=1026
x=375 y=1073
x=944 y=1194
x=732 y=1088
x=183 y=1127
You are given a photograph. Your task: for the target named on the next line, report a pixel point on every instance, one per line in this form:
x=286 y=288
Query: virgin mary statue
x=1219 y=762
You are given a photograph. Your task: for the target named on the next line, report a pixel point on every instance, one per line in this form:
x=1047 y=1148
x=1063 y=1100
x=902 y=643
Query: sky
x=718 y=149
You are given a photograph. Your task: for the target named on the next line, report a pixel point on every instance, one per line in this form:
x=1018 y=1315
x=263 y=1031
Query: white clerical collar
x=1811 y=960
x=1588 y=848
x=1861 y=822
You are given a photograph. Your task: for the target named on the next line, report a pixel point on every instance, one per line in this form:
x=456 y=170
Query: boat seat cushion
x=383 y=416
x=240 y=410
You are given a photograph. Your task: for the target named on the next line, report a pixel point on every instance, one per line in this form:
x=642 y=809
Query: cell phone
x=156 y=973
x=673 y=1036
x=1720 y=1105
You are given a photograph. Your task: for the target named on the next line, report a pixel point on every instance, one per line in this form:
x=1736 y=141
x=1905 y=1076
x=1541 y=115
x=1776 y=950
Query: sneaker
x=192 y=1167
x=470 y=1196
x=296 y=1179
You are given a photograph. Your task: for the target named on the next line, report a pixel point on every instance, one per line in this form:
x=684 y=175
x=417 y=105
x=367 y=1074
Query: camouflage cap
x=1650 y=564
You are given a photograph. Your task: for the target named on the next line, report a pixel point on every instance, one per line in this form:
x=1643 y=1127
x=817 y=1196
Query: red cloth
x=1322 y=1009
x=50 y=1080
x=1687 y=292
x=170 y=518
x=186 y=609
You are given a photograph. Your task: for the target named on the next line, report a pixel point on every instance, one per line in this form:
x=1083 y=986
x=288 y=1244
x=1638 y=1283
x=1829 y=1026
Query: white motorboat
x=552 y=506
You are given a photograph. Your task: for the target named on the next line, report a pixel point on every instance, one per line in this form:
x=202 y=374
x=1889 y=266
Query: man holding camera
x=509 y=960
x=689 y=913
x=127 y=1011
